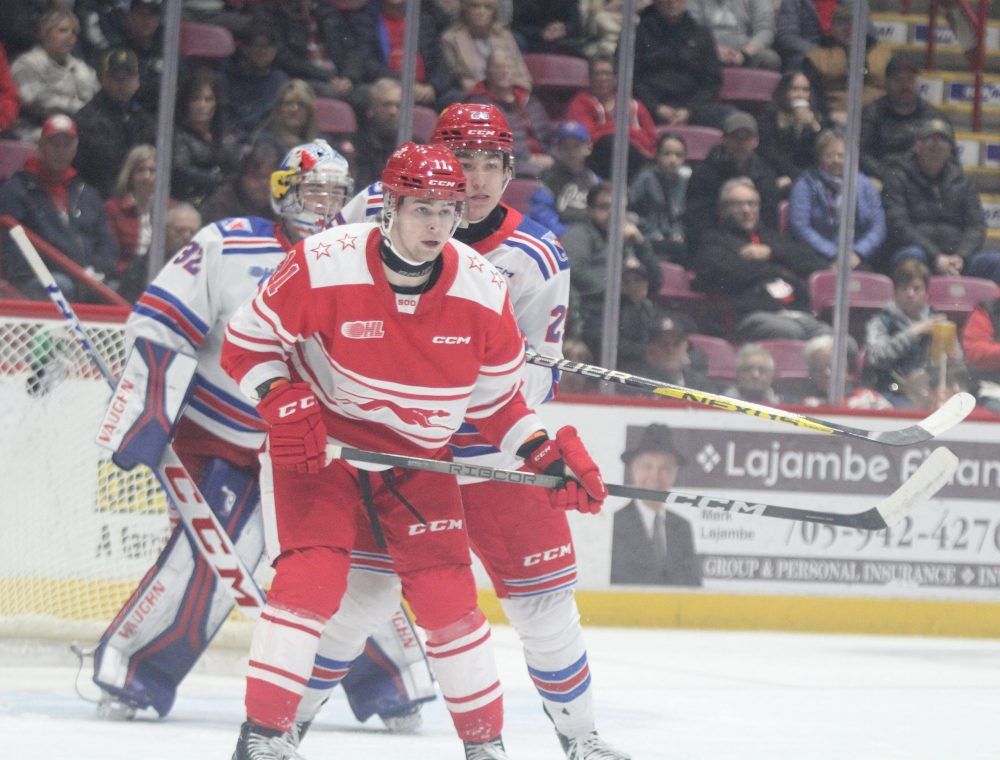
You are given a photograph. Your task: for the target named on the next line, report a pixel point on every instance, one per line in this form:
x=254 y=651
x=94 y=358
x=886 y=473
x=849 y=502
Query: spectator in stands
x=677 y=71
x=735 y=156
x=898 y=339
x=249 y=193
x=529 y=122
x=819 y=358
x=377 y=37
x=316 y=46
x=668 y=356
x=476 y=33
x=135 y=25
x=129 y=210
x=250 y=78
x=595 y=109
x=651 y=544
x=814 y=210
x=554 y=26
x=933 y=210
x=743 y=31
x=757 y=273
x=586 y=244
x=112 y=123
x=602 y=23
x=49 y=78
x=375 y=143
x=981 y=346
x=10 y=106
x=204 y=155
x=754 y=376
x=292 y=117
x=788 y=128
x=800 y=26
x=657 y=197
x=638 y=319
x=826 y=67
x=889 y=124
x=48 y=198
x=562 y=198
x=183 y=221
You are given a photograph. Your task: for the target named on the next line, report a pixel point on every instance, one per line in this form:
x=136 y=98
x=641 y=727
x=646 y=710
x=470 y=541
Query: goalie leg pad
x=146 y=404
x=172 y=616
x=549 y=628
x=392 y=676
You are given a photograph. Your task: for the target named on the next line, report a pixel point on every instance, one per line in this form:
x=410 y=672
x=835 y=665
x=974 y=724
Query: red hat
x=58 y=124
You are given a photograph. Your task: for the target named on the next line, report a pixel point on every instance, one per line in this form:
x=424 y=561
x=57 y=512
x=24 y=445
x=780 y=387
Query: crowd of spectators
x=750 y=222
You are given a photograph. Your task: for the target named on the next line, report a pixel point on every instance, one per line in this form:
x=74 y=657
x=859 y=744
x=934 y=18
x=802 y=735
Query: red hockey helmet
x=473 y=126
x=425 y=171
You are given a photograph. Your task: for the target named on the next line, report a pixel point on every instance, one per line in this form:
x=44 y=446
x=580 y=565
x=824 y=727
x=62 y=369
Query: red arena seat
x=519 y=191
x=556 y=78
x=424 y=119
x=206 y=41
x=868 y=293
x=13 y=154
x=720 y=354
x=335 y=117
x=748 y=87
x=958 y=296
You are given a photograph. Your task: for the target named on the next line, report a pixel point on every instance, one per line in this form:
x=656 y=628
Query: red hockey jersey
x=394 y=373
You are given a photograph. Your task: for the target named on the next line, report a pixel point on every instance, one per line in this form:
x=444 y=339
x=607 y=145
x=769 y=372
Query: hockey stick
x=210 y=538
x=953 y=411
x=932 y=474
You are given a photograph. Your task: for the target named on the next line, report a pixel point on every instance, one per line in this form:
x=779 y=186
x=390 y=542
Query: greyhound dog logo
x=408 y=415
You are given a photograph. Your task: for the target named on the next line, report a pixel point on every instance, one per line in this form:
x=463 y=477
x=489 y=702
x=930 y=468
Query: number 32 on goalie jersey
x=554 y=333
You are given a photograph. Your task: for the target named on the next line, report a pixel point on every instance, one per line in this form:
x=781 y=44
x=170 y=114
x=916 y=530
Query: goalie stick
x=210 y=538
x=932 y=474
x=953 y=411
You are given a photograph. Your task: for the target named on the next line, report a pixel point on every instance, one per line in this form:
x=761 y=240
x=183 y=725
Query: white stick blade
x=953 y=411
x=933 y=474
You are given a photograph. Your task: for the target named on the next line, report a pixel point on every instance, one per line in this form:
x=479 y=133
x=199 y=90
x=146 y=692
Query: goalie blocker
x=179 y=607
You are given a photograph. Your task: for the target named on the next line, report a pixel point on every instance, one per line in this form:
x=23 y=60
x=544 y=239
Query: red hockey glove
x=567 y=456
x=296 y=433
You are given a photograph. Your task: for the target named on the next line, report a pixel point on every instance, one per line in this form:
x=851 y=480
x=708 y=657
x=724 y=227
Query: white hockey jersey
x=389 y=376
x=188 y=304
x=536 y=268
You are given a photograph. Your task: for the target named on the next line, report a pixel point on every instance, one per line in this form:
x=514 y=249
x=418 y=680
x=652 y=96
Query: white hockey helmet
x=310 y=186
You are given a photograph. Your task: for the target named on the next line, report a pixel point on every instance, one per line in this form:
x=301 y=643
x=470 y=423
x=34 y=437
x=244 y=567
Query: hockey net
x=77 y=533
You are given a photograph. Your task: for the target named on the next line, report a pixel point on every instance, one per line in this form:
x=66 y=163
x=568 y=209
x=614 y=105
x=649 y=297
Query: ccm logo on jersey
x=548 y=555
x=435 y=526
x=287 y=410
x=362 y=330
x=451 y=340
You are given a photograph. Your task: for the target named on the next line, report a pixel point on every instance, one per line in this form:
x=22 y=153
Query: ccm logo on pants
x=451 y=340
x=435 y=526
x=549 y=554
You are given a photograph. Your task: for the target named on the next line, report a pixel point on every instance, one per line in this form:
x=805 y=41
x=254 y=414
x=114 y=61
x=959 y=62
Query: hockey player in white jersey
x=525 y=547
x=178 y=607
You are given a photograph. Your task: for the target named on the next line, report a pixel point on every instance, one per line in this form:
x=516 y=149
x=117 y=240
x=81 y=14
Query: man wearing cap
x=112 y=123
x=889 y=124
x=667 y=355
x=932 y=209
x=562 y=198
x=651 y=544
x=49 y=199
x=735 y=156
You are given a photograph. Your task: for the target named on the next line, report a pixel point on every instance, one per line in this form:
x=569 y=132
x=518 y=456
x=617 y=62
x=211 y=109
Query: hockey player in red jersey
x=151 y=645
x=384 y=338
x=527 y=550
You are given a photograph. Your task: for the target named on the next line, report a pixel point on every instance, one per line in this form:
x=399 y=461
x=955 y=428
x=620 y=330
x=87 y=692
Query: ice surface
x=660 y=694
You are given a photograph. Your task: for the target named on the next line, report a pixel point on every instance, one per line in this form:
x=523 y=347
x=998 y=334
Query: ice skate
x=491 y=750
x=406 y=722
x=110 y=707
x=260 y=743
x=590 y=747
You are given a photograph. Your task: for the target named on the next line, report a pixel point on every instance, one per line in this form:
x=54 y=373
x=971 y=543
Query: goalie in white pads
x=526 y=548
x=176 y=331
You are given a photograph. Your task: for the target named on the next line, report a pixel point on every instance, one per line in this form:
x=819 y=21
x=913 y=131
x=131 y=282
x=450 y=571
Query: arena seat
x=424 y=119
x=750 y=88
x=958 y=296
x=335 y=117
x=791 y=372
x=720 y=354
x=556 y=79
x=868 y=293
x=699 y=140
x=13 y=154
x=206 y=41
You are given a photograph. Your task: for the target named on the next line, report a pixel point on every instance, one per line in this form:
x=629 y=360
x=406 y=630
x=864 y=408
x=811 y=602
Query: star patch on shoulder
x=347 y=241
x=321 y=249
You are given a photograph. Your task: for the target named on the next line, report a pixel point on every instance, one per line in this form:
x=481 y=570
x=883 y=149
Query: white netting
x=76 y=533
